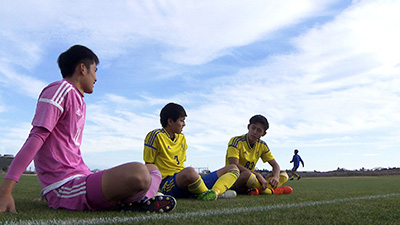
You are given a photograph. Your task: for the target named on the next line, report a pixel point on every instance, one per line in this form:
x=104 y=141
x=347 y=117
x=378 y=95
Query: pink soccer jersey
x=61 y=110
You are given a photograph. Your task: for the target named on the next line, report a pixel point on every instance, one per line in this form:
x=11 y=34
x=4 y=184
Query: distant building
x=5 y=161
x=202 y=170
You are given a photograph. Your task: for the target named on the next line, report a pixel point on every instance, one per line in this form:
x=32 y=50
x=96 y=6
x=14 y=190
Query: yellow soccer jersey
x=239 y=148
x=168 y=155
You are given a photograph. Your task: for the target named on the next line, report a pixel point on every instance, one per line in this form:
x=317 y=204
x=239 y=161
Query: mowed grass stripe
x=198 y=213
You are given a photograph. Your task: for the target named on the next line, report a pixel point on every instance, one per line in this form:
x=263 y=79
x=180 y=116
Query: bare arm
x=261 y=179
x=276 y=169
x=235 y=161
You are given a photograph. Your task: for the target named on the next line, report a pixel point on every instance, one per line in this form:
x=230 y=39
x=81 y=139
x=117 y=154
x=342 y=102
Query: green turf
x=334 y=200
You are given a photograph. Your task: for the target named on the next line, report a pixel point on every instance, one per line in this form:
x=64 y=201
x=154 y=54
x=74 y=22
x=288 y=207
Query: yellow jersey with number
x=167 y=154
x=239 y=147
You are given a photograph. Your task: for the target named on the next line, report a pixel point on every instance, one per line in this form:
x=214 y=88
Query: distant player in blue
x=296 y=161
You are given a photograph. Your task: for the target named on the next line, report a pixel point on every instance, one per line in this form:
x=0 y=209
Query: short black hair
x=260 y=119
x=296 y=151
x=171 y=111
x=68 y=60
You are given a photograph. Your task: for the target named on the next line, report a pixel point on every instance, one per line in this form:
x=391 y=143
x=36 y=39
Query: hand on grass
x=7 y=204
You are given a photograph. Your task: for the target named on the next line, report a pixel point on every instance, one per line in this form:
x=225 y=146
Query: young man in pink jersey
x=54 y=145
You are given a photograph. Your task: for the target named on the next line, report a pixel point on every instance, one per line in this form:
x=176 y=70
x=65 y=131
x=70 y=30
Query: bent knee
x=189 y=174
x=245 y=174
x=232 y=167
x=138 y=176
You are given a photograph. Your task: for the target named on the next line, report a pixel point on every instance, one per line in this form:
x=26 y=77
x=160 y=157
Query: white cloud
x=21 y=83
x=336 y=85
x=195 y=32
x=13 y=138
x=215 y=30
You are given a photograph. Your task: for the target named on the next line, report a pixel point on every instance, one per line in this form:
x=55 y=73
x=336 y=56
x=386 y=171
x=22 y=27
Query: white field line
x=194 y=214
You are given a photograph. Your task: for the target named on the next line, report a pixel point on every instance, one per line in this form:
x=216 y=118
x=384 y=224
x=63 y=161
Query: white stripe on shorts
x=60 y=195
x=71 y=192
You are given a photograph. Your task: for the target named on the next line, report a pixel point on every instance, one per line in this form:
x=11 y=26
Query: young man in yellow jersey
x=244 y=152
x=166 y=148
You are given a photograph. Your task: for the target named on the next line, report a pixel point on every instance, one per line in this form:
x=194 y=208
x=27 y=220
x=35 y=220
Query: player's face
x=177 y=126
x=256 y=131
x=89 y=78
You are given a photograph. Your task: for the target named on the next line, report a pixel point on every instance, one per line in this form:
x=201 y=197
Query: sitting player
x=54 y=145
x=166 y=148
x=244 y=152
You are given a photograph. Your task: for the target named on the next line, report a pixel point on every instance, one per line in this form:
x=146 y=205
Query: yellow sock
x=267 y=191
x=226 y=181
x=253 y=182
x=283 y=177
x=197 y=187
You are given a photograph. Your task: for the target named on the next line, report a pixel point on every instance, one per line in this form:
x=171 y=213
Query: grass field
x=337 y=200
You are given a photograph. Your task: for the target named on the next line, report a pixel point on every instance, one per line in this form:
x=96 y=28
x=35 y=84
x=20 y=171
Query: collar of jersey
x=166 y=132
x=248 y=143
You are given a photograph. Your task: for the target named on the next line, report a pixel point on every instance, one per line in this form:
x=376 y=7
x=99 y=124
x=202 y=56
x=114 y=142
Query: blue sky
x=326 y=74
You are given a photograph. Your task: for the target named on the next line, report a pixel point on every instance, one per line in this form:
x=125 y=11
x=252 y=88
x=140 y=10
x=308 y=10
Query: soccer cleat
x=291 y=178
x=298 y=178
x=253 y=191
x=228 y=194
x=282 y=190
x=209 y=195
x=156 y=204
